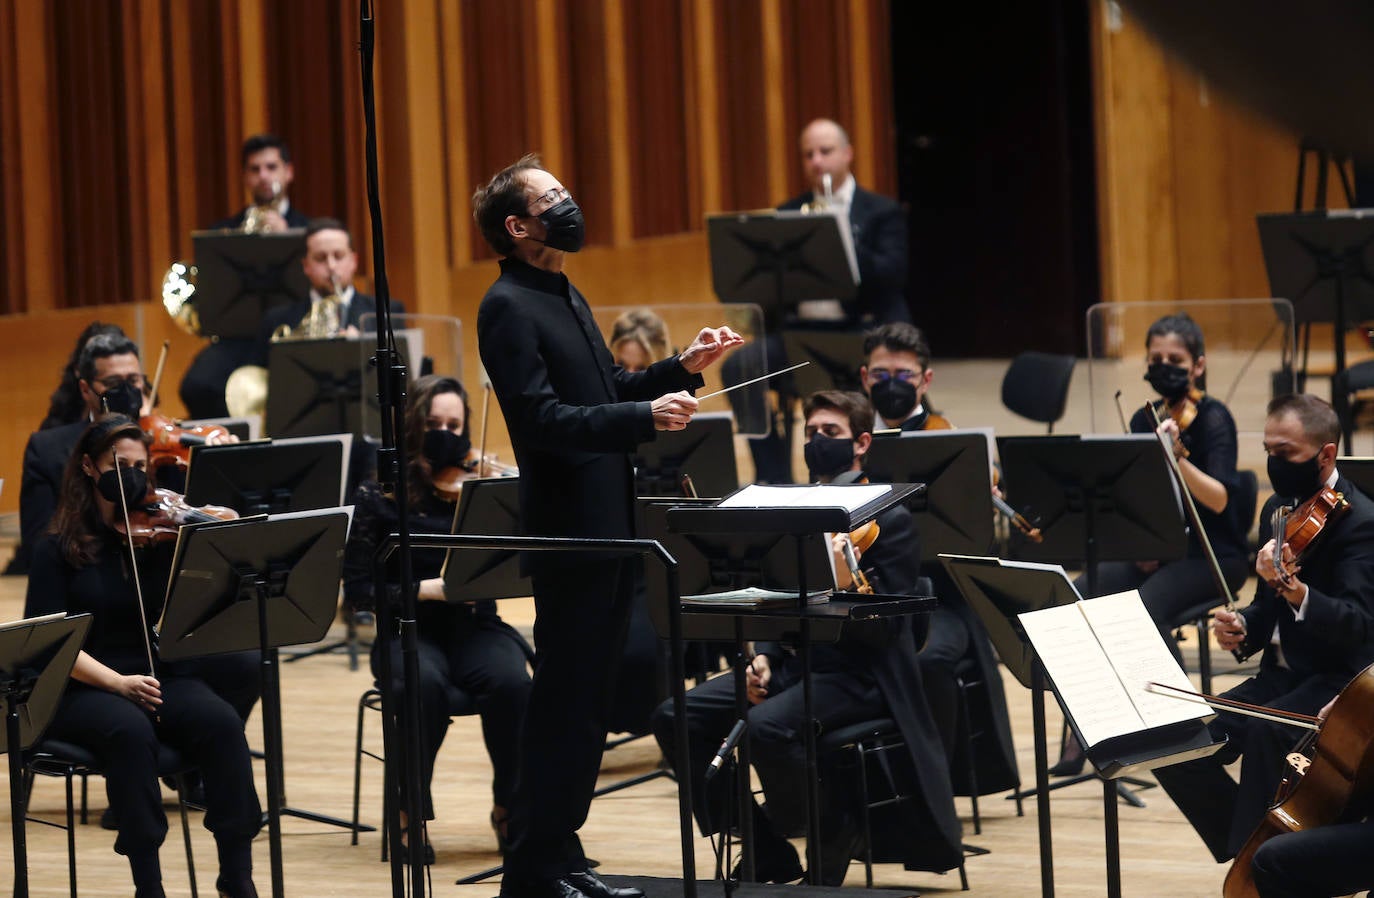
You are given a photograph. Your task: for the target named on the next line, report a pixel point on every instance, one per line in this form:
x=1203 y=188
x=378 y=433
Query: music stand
x=1359 y=471
x=703 y=451
x=1096 y=498
x=36 y=658
x=240 y=276
x=835 y=357
x=1322 y=262
x=488 y=507
x=257 y=583
x=778 y=259
x=954 y=512
x=271 y=476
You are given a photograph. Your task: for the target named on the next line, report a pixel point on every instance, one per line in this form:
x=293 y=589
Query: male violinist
x=573 y=417
x=1314 y=624
x=871 y=673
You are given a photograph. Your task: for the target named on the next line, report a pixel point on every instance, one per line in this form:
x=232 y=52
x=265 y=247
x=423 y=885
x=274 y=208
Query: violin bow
x=133 y=563
x=482 y=449
x=157 y=374
x=1273 y=715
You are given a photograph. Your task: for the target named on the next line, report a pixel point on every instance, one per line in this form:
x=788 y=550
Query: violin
x=854 y=544
x=1299 y=528
x=448 y=482
x=171 y=442
x=1337 y=778
x=162 y=513
x=1184 y=412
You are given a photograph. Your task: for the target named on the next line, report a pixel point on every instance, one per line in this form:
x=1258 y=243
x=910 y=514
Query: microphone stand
x=401 y=743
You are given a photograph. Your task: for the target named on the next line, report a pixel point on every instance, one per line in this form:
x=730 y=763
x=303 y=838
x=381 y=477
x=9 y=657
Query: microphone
x=726 y=748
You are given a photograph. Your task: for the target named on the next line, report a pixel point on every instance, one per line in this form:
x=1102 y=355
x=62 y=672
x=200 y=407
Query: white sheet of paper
x=849 y=497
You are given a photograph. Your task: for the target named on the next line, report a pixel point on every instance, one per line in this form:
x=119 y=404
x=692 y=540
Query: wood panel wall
x=120 y=126
x=1182 y=172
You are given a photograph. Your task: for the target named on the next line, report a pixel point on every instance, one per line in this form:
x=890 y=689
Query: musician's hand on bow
x=672 y=411
x=431 y=590
x=140 y=689
x=1169 y=429
x=756 y=678
x=1229 y=629
x=709 y=346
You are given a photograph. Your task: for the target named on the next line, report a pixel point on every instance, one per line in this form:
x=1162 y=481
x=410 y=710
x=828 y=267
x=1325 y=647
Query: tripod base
x=1125 y=794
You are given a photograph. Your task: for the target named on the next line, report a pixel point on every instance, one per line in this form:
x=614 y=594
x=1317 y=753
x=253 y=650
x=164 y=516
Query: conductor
x=573 y=417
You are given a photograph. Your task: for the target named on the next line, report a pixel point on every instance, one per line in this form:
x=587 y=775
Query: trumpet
x=823 y=203
x=255 y=219
x=245 y=393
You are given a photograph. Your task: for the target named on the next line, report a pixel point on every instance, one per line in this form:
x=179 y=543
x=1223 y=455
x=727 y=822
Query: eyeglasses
x=114 y=381
x=884 y=374
x=549 y=199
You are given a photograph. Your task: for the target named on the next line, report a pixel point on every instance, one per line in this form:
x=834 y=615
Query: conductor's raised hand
x=672 y=411
x=708 y=347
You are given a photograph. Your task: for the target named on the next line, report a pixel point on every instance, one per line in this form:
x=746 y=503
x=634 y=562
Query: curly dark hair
x=66 y=403
x=77 y=521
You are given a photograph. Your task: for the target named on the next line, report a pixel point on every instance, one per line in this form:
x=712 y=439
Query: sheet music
x=1082 y=675
x=850 y=497
x=1132 y=642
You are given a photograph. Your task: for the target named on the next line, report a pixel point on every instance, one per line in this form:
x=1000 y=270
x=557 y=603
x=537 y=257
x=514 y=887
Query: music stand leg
x=813 y=801
x=16 y=770
x=742 y=778
x=271 y=735
x=1042 y=781
x=684 y=783
x=1109 y=826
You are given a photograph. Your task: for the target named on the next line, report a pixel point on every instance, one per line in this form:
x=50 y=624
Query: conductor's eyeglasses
x=549 y=199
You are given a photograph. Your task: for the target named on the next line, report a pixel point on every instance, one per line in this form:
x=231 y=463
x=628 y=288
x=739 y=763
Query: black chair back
x=1036 y=386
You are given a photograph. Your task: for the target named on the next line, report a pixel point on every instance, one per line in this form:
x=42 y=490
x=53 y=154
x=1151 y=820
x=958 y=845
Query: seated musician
x=1316 y=630
x=1203 y=436
x=461 y=644
x=118 y=708
x=639 y=338
x=870 y=673
x=896 y=375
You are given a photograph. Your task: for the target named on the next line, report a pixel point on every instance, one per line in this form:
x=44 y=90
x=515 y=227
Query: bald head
x=825 y=149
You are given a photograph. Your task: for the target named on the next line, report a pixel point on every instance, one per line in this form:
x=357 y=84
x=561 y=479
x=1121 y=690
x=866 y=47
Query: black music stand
x=703 y=451
x=269 y=477
x=315 y=387
x=36 y=658
x=835 y=357
x=954 y=512
x=257 y=583
x=805 y=523
x=1323 y=263
x=488 y=507
x=1096 y=498
x=778 y=259
x=1359 y=471
x=240 y=276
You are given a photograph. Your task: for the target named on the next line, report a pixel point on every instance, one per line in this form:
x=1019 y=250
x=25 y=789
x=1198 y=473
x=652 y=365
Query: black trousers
x=1171 y=589
x=1317 y=863
x=947 y=642
x=581 y=611
x=124 y=739
x=1223 y=811
x=202 y=387
x=776 y=738
x=235 y=677
x=488 y=663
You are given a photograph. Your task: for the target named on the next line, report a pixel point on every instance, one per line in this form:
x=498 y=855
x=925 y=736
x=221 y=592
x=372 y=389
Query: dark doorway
x=996 y=164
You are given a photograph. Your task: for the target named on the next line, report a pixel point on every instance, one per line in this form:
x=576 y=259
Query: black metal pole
x=813 y=776
x=1042 y=780
x=271 y=737
x=744 y=789
x=1109 y=826
x=391 y=468
x=17 y=813
x=679 y=675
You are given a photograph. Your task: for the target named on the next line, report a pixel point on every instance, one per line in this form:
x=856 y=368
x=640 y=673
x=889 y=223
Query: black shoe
x=593 y=886
x=236 y=886
x=553 y=887
x=427 y=852
x=773 y=863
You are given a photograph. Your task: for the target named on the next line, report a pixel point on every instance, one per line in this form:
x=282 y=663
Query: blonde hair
x=643 y=327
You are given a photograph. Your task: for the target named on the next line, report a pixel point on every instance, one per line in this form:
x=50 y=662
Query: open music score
x=850 y=497
x=1101 y=655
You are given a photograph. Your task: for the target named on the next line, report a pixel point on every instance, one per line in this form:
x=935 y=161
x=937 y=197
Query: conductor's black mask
x=564 y=227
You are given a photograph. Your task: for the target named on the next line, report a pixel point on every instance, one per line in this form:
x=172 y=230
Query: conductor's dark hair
x=1317 y=417
x=1184 y=327
x=102 y=346
x=76 y=522
x=854 y=406
x=504 y=195
x=259 y=142
x=899 y=336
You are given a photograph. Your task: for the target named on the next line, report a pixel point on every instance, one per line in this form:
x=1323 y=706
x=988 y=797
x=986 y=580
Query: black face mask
x=125 y=399
x=135 y=486
x=827 y=456
x=893 y=397
x=1169 y=381
x=564 y=226
x=1295 y=479
x=445 y=449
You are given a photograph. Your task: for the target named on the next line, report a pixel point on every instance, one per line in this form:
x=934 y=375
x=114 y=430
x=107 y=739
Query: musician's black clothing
x=293 y=313
x=1320 y=653
x=461 y=645
x=871 y=673
x=1176 y=586
x=573 y=417
x=1316 y=863
x=123 y=737
x=295 y=218
x=45 y=458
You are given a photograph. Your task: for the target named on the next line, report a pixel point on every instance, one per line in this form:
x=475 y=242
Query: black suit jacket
x=292 y=313
x=881 y=249
x=294 y=219
x=1336 y=635
x=573 y=415
x=45 y=459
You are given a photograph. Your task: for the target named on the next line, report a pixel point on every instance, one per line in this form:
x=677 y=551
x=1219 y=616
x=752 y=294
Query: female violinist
x=124 y=700
x=1202 y=434
x=462 y=644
